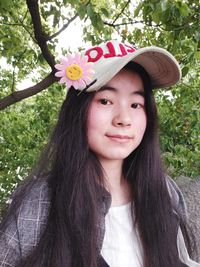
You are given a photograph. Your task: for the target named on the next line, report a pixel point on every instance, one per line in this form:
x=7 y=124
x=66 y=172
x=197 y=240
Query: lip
x=119 y=138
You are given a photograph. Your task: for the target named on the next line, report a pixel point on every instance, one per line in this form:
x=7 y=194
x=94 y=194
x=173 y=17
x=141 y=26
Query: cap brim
x=162 y=67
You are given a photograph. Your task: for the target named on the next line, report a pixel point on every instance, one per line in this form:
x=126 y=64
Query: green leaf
x=138 y=9
x=137 y=34
x=184 y=10
x=90 y=11
x=105 y=12
x=164 y=5
x=5 y=4
x=81 y=12
x=197 y=55
x=157 y=14
x=197 y=35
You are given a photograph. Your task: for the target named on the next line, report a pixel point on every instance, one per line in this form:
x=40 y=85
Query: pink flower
x=75 y=70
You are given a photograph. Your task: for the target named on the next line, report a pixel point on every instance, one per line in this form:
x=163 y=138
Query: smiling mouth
x=119 y=138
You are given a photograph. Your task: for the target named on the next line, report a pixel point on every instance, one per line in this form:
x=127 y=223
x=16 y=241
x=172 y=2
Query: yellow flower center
x=74 y=72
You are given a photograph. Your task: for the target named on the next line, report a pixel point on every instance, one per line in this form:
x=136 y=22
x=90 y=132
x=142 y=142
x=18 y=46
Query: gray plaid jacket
x=23 y=233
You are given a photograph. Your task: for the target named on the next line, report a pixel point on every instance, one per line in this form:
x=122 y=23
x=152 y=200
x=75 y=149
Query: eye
x=104 y=101
x=137 y=105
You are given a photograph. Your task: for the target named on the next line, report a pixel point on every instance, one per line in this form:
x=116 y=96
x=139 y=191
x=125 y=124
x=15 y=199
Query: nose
x=122 y=117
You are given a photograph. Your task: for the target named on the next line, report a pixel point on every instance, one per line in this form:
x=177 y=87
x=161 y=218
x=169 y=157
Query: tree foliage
x=29 y=32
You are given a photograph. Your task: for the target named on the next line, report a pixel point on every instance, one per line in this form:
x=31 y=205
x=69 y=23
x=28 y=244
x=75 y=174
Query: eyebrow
x=113 y=89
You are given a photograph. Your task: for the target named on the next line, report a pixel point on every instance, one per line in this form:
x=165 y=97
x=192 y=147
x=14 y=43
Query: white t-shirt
x=121 y=245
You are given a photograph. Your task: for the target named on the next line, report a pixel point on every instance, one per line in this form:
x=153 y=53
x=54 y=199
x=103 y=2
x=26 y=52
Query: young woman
x=99 y=196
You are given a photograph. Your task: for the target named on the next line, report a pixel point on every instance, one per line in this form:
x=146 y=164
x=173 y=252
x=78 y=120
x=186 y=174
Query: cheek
x=94 y=130
x=141 y=123
x=94 y=123
x=92 y=118
x=144 y=121
x=96 y=118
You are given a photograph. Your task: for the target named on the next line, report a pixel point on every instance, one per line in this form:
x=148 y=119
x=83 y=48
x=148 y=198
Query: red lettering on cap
x=99 y=52
x=130 y=49
x=111 y=50
x=123 y=51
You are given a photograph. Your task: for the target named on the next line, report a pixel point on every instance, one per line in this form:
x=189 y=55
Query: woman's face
x=117 y=118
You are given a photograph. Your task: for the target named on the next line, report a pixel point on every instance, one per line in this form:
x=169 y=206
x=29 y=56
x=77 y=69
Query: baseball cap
x=93 y=68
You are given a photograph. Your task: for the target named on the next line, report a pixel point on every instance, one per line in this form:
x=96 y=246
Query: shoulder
x=38 y=190
x=176 y=197
x=30 y=198
x=24 y=222
x=32 y=215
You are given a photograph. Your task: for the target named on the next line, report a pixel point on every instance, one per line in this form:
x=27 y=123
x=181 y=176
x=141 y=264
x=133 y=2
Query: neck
x=115 y=183
x=113 y=172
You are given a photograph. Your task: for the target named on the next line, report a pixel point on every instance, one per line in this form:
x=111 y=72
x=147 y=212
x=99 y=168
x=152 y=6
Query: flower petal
x=59 y=66
x=77 y=58
x=64 y=61
x=60 y=74
x=70 y=59
x=69 y=83
x=85 y=66
x=85 y=60
x=88 y=71
x=75 y=84
x=63 y=80
x=82 y=84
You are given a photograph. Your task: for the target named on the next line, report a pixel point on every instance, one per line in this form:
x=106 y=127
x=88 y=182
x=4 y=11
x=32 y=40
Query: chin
x=115 y=156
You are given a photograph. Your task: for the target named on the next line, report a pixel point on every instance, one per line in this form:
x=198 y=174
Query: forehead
x=126 y=81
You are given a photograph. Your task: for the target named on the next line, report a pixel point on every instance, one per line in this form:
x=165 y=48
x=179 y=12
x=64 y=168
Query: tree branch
x=128 y=2
x=25 y=15
x=131 y=23
x=13 y=81
x=40 y=36
x=123 y=23
x=41 y=39
x=22 y=94
x=21 y=25
x=63 y=28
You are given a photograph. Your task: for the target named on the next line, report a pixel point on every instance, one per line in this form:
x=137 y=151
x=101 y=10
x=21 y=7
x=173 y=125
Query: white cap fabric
x=99 y=64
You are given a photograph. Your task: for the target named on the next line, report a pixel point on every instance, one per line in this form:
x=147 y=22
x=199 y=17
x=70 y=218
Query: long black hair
x=73 y=175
